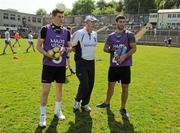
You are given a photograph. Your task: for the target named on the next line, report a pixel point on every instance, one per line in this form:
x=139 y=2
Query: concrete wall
x=19 y=19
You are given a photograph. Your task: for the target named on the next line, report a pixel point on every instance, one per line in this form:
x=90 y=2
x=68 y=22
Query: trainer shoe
x=103 y=105
x=76 y=105
x=124 y=113
x=60 y=115
x=42 y=122
x=86 y=108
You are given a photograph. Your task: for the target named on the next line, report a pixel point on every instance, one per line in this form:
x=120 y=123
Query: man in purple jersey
x=121 y=45
x=53 y=36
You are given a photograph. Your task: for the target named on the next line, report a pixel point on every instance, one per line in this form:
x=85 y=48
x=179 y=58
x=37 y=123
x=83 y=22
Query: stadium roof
x=169 y=11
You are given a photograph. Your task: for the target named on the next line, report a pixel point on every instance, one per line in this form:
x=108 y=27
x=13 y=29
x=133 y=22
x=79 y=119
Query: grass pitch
x=153 y=103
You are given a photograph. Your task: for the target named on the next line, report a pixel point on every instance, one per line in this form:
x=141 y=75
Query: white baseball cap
x=90 y=18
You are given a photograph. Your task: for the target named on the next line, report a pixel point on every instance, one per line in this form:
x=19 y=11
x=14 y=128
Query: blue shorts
x=7 y=42
x=30 y=43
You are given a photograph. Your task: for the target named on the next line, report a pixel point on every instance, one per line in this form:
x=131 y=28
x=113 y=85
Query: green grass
x=153 y=103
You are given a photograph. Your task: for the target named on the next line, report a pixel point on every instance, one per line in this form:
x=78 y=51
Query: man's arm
x=132 y=51
x=39 y=46
x=102 y=29
x=69 y=48
x=40 y=41
x=75 y=39
x=107 y=47
x=122 y=58
x=132 y=44
x=69 y=43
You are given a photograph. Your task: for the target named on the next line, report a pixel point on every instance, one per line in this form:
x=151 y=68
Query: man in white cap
x=84 y=43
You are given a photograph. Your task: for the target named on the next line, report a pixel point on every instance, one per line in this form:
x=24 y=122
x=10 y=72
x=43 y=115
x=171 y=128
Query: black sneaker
x=124 y=113
x=103 y=105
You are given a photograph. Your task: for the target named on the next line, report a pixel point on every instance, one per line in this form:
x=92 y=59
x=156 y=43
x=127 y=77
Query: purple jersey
x=53 y=40
x=119 y=46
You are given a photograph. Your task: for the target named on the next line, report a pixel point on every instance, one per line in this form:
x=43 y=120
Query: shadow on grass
x=67 y=76
x=118 y=127
x=3 y=54
x=39 y=129
x=50 y=129
x=82 y=124
x=66 y=80
x=53 y=126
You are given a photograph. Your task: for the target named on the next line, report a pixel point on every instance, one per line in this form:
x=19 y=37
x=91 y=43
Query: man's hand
x=50 y=56
x=121 y=59
x=62 y=50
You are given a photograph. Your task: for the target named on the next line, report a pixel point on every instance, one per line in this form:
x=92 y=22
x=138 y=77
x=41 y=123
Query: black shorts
x=122 y=74
x=50 y=74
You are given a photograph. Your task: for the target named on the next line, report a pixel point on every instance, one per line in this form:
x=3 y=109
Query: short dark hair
x=56 y=11
x=120 y=17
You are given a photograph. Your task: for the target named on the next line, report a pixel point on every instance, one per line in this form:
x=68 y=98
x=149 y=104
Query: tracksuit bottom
x=85 y=71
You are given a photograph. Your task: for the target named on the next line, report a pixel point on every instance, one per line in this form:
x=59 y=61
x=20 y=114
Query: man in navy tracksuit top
x=84 y=41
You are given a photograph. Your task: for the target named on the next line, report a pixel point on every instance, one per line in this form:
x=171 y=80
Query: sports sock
x=57 y=107
x=43 y=110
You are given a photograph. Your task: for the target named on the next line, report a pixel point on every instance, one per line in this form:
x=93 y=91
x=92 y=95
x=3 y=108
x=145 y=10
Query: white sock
x=43 y=110
x=57 y=107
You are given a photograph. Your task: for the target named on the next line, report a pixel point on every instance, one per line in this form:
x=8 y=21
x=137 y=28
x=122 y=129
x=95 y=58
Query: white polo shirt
x=30 y=37
x=87 y=42
x=7 y=36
